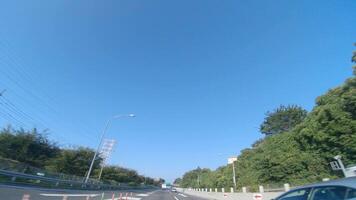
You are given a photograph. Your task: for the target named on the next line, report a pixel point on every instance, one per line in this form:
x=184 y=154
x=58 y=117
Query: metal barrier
x=16 y=173
x=15 y=166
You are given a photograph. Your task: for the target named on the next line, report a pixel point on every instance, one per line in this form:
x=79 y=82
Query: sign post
x=232 y=161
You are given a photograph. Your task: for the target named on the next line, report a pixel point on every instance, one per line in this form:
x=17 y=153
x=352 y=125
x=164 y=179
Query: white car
x=341 y=189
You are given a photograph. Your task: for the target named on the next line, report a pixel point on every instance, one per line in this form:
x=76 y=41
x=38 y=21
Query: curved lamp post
x=108 y=123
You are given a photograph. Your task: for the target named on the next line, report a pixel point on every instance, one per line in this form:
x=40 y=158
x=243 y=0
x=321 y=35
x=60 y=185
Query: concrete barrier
x=231 y=196
x=244 y=190
x=286 y=187
x=261 y=189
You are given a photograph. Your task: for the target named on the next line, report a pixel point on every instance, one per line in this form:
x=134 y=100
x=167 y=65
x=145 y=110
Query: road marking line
x=182 y=195
x=142 y=195
x=175 y=198
x=129 y=198
x=26 y=197
x=70 y=195
x=152 y=192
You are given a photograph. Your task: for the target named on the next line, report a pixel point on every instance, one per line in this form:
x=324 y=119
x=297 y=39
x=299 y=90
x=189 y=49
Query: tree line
x=35 y=149
x=297 y=146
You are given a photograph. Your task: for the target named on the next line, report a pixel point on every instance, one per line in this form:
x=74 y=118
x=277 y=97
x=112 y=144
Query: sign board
x=231 y=160
x=335 y=165
x=257 y=196
x=107 y=148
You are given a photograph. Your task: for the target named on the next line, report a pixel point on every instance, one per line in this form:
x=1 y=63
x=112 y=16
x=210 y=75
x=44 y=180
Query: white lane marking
x=175 y=198
x=152 y=192
x=124 y=198
x=182 y=195
x=143 y=195
x=69 y=195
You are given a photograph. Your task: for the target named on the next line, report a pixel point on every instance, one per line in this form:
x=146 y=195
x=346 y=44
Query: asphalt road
x=21 y=193
x=167 y=195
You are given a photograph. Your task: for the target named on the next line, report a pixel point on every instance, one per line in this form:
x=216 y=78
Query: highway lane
x=28 y=193
x=167 y=195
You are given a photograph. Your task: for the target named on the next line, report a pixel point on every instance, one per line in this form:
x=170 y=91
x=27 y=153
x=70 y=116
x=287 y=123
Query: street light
x=108 y=123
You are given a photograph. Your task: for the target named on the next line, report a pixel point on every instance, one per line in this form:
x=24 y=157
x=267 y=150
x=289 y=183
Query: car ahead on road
x=174 y=190
x=341 y=189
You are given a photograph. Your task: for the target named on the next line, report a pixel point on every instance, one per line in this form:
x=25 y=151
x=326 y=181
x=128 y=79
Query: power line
x=21 y=70
x=24 y=116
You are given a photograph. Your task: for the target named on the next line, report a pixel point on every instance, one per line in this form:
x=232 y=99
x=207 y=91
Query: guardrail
x=17 y=178
x=15 y=166
x=16 y=173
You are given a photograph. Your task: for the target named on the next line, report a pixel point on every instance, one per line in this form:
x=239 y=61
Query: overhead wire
x=27 y=76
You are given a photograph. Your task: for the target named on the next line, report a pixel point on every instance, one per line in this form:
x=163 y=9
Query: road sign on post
x=232 y=161
x=335 y=165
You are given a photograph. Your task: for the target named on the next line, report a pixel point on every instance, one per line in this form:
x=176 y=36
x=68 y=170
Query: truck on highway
x=164 y=186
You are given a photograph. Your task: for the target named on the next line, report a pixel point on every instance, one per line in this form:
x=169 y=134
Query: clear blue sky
x=199 y=74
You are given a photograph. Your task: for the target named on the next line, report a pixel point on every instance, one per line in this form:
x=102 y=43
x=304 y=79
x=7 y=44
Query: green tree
x=74 y=161
x=34 y=149
x=121 y=175
x=330 y=128
x=222 y=177
x=282 y=119
x=30 y=147
x=302 y=153
x=177 y=181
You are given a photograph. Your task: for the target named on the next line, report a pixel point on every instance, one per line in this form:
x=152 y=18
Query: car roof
x=348 y=182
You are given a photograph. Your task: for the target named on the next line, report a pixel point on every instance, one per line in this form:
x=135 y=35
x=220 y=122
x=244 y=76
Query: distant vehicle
x=174 y=189
x=40 y=174
x=164 y=186
x=341 y=189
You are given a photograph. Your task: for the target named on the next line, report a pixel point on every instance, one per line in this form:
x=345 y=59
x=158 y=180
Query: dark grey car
x=341 y=189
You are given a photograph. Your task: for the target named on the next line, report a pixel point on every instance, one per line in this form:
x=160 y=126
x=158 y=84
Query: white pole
x=233 y=174
x=97 y=150
x=101 y=171
x=101 y=141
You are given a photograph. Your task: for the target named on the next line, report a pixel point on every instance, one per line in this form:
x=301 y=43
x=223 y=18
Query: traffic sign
x=335 y=165
x=257 y=196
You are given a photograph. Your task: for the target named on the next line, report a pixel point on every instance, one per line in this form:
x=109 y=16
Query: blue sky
x=199 y=74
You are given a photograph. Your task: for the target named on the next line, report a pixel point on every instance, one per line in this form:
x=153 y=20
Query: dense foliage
x=34 y=149
x=73 y=161
x=27 y=146
x=283 y=119
x=124 y=175
x=302 y=150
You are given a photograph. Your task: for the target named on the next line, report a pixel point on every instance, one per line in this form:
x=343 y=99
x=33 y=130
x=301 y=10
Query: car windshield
x=177 y=100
